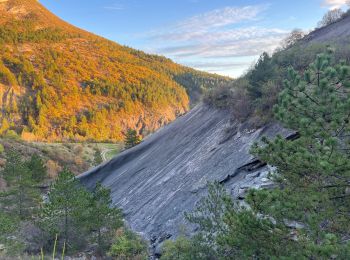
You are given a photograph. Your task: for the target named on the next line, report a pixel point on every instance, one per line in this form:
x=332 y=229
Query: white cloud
x=333 y=4
x=220 y=17
x=249 y=47
x=224 y=40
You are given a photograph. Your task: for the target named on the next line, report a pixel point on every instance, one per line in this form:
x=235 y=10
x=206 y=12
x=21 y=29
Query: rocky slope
x=338 y=33
x=157 y=181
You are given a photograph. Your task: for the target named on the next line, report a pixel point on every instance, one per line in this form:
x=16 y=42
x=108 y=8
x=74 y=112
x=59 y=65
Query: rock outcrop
x=163 y=177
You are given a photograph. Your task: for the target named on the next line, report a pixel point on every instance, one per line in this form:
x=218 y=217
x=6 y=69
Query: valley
x=107 y=152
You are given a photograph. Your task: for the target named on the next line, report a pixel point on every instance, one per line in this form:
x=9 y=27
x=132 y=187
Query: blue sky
x=219 y=36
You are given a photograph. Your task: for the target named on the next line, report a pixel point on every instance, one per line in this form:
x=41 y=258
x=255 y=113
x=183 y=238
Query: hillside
x=58 y=82
x=163 y=177
x=156 y=182
x=338 y=32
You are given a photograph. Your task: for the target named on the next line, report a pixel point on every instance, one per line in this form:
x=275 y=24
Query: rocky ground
x=163 y=177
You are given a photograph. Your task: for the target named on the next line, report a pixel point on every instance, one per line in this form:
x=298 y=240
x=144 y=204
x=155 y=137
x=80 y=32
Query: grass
x=77 y=157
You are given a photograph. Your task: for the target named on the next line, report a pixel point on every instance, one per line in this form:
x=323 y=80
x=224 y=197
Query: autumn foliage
x=58 y=82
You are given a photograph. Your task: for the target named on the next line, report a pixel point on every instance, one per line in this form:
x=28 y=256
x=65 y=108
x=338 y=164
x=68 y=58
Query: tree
x=295 y=36
x=5 y=125
x=306 y=216
x=97 y=157
x=314 y=170
x=263 y=71
x=128 y=245
x=22 y=197
x=66 y=212
x=37 y=168
x=131 y=138
x=330 y=17
x=103 y=219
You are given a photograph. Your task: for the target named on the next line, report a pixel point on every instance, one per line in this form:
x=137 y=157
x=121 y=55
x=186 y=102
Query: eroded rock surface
x=157 y=181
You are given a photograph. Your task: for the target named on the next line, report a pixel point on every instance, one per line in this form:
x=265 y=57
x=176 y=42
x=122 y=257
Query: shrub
x=12 y=135
x=128 y=245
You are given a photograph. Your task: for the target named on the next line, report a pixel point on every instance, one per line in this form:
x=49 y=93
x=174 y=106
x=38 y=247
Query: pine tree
x=307 y=215
x=131 y=138
x=21 y=198
x=313 y=172
x=37 y=168
x=66 y=212
x=97 y=157
x=104 y=219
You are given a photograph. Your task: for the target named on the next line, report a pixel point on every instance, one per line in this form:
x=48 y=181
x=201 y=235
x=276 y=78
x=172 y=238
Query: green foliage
x=97 y=157
x=263 y=71
x=131 y=138
x=128 y=246
x=22 y=197
x=12 y=135
x=187 y=249
x=103 y=216
x=2 y=149
x=65 y=214
x=253 y=96
x=5 y=125
x=15 y=32
x=79 y=217
x=37 y=168
x=313 y=170
x=306 y=215
x=72 y=214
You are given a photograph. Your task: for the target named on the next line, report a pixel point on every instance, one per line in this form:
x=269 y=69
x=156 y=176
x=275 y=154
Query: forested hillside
x=58 y=82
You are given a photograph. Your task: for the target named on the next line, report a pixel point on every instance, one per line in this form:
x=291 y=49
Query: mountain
x=59 y=82
x=163 y=177
x=166 y=175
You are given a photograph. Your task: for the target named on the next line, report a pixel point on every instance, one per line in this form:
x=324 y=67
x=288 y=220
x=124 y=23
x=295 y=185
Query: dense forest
x=58 y=82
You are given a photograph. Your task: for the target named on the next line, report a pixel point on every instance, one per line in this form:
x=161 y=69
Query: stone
x=157 y=181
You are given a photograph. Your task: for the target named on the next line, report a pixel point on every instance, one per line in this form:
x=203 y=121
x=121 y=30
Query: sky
x=218 y=36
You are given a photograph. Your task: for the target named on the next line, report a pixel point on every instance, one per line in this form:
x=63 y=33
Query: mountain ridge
x=59 y=82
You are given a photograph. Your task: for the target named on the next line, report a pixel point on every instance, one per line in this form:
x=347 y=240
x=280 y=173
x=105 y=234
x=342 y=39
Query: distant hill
x=58 y=82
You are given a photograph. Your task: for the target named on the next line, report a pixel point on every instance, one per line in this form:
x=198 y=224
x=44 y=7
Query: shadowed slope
x=157 y=181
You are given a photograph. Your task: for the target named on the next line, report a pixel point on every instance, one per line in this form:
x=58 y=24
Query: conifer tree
x=66 y=212
x=306 y=216
x=37 y=168
x=131 y=138
x=21 y=198
x=97 y=157
x=104 y=219
x=313 y=172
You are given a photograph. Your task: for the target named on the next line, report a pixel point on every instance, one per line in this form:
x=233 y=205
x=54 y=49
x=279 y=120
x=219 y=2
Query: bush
x=2 y=149
x=12 y=135
x=128 y=245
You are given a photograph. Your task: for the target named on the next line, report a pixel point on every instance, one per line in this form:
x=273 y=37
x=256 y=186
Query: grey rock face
x=163 y=177
x=338 y=33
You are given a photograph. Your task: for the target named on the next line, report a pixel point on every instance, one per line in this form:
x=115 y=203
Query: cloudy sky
x=219 y=36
